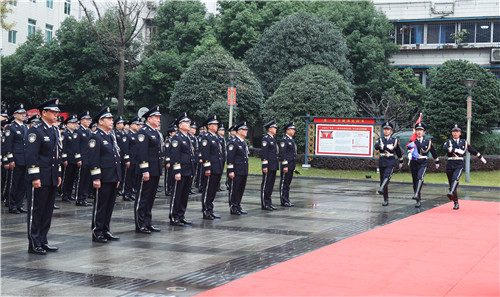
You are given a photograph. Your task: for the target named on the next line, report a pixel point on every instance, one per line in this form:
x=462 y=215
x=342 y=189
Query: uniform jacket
x=237 y=156
x=222 y=142
x=124 y=145
x=269 y=153
x=388 y=156
x=212 y=153
x=455 y=156
x=132 y=146
x=82 y=144
x=148 y=147
x=288 y=152
x=43 y=159
x=424 y=147
x=69 y=144
x=182 y=155
x=14 y=143
x=104 y=157
x=4 y=151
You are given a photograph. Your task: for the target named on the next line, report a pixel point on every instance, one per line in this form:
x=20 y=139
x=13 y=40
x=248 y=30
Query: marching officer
x=43 y=161
x=237 y=167
x=104 y=158
x=15 y=134
x=82 y=137
x=456 y=148
x=419 y=162
x=288 y=158
x=269 y=155
x=182 y=158
x=131 y=178
x=68 y=137
x=213 y=166
x=388 y=148
x=149 y=158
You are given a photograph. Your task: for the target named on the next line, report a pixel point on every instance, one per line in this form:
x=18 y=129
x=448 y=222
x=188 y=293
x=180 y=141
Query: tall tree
x=4 y=12
x=117 y=31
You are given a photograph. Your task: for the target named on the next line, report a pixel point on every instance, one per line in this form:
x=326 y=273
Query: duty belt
x=455 y=158
x=422 y=157
x=386 y=154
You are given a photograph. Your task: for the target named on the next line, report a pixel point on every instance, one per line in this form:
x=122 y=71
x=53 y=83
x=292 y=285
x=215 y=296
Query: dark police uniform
x=68 y=154
x=104 y=157
x=15 y=134
x=131 y=178
x=82 y=137
x=43 y=161
x=182 y=160
x=213 y=161
x=288 y=159
x=418 y=165
x=269 y=154
x=389 y=148
x=237 y=162
x=222 y=141
x=169 y=177
x=456 y=149
x=149 y=159
x=6 y=174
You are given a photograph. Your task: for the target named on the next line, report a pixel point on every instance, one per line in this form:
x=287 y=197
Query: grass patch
x=477 y=178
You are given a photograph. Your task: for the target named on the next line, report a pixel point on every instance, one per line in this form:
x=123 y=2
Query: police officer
x=269 y=155
x=131 y=176
x=169 y=177
x=237 y=168
x=104 y=158
x=195 y=140
x=43 y=161
x=455 y=149
x=288 y=159
x=149 y=158
x=68 y=157
x=124 y=145
x=419 y=162
x=212 y=168
x=230 y=136
x=82 y=137
x=183 y=160
x=6 y=173
x=118 y=132
x=32 y=120
x=388 y=148
x=14 y=145
x=220 y=134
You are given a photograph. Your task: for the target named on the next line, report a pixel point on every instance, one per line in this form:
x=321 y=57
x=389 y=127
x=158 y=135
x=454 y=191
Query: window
x=48 y=32
x=496 y=31
x=150 y=29
x=483 y=32
x=50 y=3
x=67 y=7
x=13 y=3
x=471 y=30
x=440 y=33
x=410 y=34
x=31 y=27
x=12 y=36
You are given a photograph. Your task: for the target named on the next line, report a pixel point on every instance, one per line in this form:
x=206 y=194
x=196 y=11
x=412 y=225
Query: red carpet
x=439 y=252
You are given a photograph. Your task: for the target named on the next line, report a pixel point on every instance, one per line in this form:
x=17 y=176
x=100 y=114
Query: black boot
x=416 y=196
x=386 y=194
x=386 y=202
x=456 y=204
x=453 y=188
x=382 y=186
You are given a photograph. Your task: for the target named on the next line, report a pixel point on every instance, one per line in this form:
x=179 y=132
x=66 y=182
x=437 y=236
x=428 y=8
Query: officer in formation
x=182 y=159
x=68 y=155
x=237 y=167
x=232 y=134
x=389 y=148
x=105 y=170
x=43 y=162
x=220 y=133
x=131 y=177
x=32 y=120
x=6 y=173
x=84 y=188
x=119 y=132
x=195 y=140
x=169 y=177
x=269 y=155
x=288 y=159
x=212 y=155
x=456 y=148
x=149 y=159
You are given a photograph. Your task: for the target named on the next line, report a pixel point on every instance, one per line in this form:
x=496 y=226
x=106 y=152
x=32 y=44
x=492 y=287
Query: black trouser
x=386 y=172
x=454 y=174
x=266 y=188
x=103 y=208
x=40 y=208
x=208 y=192
x=59 y=190
x=144 y=202
x=285 y=181
x=417 y=173
x=6 y=183
x=70 y=175
x=130 y=180
x=18 y=190
x=123 y=168
x=197 y=177
x=237 y=188
x=170 y=180
x=85 y=187
x=180 y=196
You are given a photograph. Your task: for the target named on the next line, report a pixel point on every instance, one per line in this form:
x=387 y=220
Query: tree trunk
x=121 y=81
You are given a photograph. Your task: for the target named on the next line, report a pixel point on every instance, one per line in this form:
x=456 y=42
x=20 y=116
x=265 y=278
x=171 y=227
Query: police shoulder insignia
x=141 y=137
x=167 y=144
x=230 y=147
x=124 y=139
x=92 y=143
x=204 y=142
x=175 y=143
x=75 y=135
x=264 y=143
x=62 y=137
x=7 y=132
x=282 y=144
x=32 y=137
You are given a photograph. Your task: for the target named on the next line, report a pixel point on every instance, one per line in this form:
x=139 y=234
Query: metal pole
x=469 y=118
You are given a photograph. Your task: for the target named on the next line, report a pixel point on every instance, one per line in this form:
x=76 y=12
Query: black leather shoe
x=109 y=236
x=49 y=248
x=208 y=217
x=273 y=207
x=288 y=204
x=176 y=222
x=417 y=205
x=169 y=194
x=191 y=192
x=242 y=211
x=143 y=230
x=71 y=198
x=267 y=207
x=185 y=222
x=83 y=203
x=456 y=206
x=153 y=228
x=126 y=198
x=99 y=238
x=14 y=211
x=37 y=250
x=56 y=207
x=215 y=216
x=235 y=212
x=386 y=202
x=21 y=210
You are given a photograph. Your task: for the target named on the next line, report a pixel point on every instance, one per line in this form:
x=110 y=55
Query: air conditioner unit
x=495 y=55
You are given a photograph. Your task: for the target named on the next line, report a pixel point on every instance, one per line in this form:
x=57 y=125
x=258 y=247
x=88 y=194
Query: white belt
x=455 y=158
x=422 y=157
x=387 y=155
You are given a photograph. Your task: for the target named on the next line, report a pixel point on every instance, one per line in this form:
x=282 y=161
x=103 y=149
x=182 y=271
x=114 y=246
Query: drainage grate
x=223 y=273
x=75 y=278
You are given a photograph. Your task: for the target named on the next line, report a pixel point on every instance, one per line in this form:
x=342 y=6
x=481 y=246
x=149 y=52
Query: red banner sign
x=231 y=96
x=349 y=121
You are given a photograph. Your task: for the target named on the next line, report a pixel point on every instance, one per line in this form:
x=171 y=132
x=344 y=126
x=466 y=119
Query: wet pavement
x=184 y=261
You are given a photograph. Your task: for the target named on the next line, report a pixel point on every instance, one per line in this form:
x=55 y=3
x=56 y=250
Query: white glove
x=459 y=151
x=400 y=166
x=483 y=160
x=390 y=147
x=437 y=166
